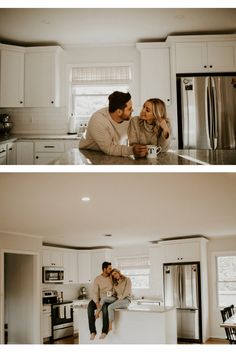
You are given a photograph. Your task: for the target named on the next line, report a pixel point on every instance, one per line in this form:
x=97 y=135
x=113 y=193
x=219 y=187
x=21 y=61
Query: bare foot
x=110 y=327
x=97 y=314
x=103 y=335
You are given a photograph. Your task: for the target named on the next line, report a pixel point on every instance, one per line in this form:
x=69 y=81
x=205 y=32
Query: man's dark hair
x=105 y=265
x=118 y=100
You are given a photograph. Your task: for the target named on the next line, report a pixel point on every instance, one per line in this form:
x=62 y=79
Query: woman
x=152 y=127
x=122 y=290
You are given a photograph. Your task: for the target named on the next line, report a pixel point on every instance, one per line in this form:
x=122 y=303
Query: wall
x=217 y=247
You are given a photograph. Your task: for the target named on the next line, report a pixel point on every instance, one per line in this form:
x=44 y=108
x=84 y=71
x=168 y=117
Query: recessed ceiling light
x=85 y=199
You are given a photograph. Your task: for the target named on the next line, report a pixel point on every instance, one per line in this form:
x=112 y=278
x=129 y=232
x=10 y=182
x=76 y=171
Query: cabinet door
x=181 y=252
x=47 y=325
x=43 y=158
x=11 y=153
x=97 y=258
x=156 y=271
x=84 y=267
x=191 y=57
x=76 y=320
x=40 y=79
x=52 y=258
x=222 y=56
x=70 y=267
x=12 y=78
x=155 y=74
x=25 y=153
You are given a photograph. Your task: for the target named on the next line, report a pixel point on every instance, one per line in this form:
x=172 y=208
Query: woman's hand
x=165 y=129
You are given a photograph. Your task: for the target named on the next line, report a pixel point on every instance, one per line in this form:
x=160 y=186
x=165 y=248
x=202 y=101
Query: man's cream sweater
x=101 y=286
x=104 y=134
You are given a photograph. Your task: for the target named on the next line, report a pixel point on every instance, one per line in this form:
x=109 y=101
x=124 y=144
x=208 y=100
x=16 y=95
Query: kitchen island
x=171 y=157
x=136 y=325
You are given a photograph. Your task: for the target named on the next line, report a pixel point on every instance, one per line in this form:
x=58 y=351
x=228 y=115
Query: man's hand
x=139 y=150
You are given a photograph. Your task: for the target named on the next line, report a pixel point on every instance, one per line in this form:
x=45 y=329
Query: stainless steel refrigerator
x=182 y=290
x=207 y=111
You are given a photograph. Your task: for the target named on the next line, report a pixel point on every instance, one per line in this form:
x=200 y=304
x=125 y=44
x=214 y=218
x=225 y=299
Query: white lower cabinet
x=48 y=151
x=25 y=153
x=11 y=153
x=46 y=321
x=76 y=320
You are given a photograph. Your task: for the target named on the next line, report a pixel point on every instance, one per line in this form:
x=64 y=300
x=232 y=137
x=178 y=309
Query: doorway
x=21 y=299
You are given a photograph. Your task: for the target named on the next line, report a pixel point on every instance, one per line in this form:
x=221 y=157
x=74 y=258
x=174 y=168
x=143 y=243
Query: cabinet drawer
x=49 y=146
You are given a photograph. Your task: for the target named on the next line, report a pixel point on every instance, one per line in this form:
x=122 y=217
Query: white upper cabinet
x=70 y=267
x=155 y=72
x=52 y=258
x=84 y=267
x=42 y=72
x=12 y=76
x=200 y=57
x=97 y=258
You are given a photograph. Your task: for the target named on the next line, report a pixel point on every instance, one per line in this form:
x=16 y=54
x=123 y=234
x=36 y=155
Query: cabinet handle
x=205 y=66
x=52 y=102
x=21 y=102
x=168 y=100
x=10 y=149
x=2 y=151
x=211 y=66
x=36 y=157
x=49 y=146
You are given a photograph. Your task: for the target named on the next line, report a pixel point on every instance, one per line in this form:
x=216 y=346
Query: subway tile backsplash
x=38 y=120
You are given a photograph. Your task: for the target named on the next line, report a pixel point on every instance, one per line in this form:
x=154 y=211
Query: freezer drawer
x=188 y=324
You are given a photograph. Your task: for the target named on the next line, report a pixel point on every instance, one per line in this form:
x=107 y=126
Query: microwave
x=53 y=275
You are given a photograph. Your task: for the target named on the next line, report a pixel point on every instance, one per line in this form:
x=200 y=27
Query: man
x=101 y=286
x=107 y=128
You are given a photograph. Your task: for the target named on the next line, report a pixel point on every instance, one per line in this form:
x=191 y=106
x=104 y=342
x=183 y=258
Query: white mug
x=153 y=151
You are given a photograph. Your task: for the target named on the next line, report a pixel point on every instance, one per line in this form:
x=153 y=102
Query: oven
x=62 y=320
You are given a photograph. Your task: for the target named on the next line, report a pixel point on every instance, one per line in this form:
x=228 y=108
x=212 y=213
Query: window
x=91 y=86
x=226 y=280
x=137 y=269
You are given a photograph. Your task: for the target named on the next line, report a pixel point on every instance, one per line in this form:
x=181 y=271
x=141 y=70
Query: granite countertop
x=172 y=157
x=23 y=137
x=47 y=136
x=133 y=307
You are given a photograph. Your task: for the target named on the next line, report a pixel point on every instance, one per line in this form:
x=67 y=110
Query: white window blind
x=137 y=268
x=101 y=74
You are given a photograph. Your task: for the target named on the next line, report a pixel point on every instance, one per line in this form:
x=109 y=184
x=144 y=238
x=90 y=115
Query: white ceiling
x=134 y=207
x=101 y=26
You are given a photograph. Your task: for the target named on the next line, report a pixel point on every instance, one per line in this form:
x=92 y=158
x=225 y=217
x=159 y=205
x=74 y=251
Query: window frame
x=217 y=281
x=132 y=257
x=108 y=64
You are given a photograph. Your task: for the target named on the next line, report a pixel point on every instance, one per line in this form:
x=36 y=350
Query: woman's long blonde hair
x=115 y=281
x=158 y=108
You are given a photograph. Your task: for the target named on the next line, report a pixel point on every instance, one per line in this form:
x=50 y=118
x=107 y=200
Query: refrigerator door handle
x=215 y=114
x=207 y=112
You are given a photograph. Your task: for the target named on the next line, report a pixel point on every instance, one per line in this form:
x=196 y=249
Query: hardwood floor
x=75 y=340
